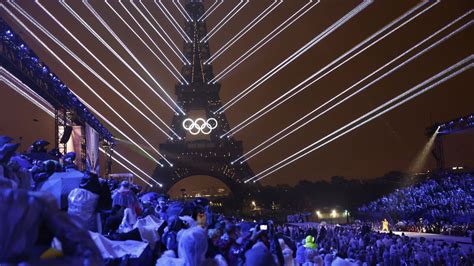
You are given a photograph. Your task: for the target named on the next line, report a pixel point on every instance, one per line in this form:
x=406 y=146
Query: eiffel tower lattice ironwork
x=199 y=153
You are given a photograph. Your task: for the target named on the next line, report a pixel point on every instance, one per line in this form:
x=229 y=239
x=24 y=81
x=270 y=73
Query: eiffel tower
x=200 y=152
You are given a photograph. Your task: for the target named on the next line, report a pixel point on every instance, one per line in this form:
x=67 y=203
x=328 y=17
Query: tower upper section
x=196 y=51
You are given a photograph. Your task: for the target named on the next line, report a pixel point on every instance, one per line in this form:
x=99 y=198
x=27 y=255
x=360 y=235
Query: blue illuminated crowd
x=107 y=222
x=442 y=205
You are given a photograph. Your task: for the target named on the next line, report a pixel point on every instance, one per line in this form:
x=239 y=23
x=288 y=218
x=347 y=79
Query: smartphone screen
x=263 y=227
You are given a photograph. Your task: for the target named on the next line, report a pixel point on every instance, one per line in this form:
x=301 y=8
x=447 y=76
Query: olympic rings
x=194 y=127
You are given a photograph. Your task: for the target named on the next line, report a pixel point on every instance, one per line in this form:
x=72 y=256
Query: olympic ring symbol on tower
x=200 y=125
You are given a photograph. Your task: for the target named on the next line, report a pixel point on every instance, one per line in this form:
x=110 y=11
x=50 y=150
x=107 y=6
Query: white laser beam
x=98 y=37
x=366 y=86
x=130 y=170
x=301 y=86
x=224 y=21
x=91 y=90
x=181 y=79
x=77 y=58
x=108 y=70
x=124 y=46
x=35 y=96
x=182 y=10
x=275 y=32
x=135 y=166
x=351 y=87
x=246 y=29
x=169 y=42
x=210 y=11
x=316 y=145
x=46 y=107
x=25 y=91
x=295 y=55
x=172 y=21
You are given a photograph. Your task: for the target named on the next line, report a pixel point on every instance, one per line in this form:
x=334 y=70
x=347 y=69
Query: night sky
x=390 y=142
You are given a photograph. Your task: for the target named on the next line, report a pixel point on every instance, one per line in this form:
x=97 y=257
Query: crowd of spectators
x=298 y=218
x=359 y=245
x=454 y=229
x=105 y=222
x=442 y=205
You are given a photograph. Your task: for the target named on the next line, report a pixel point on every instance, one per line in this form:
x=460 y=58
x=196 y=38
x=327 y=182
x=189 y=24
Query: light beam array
x=224 y=20
x=241 y=33
x=182 y=10
x=84 y=64
x=176 y=107
x=209 y=11
x=14 y=83
x=368 y=42
x=130 y=170
x=448 y=36
x=364 y=119
x=295 y=55
x=181 y=79
x=124 y=46
x=275 y=32
x=94 y=92
x=176 y=50
x=171 y=19
x=354 y=85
